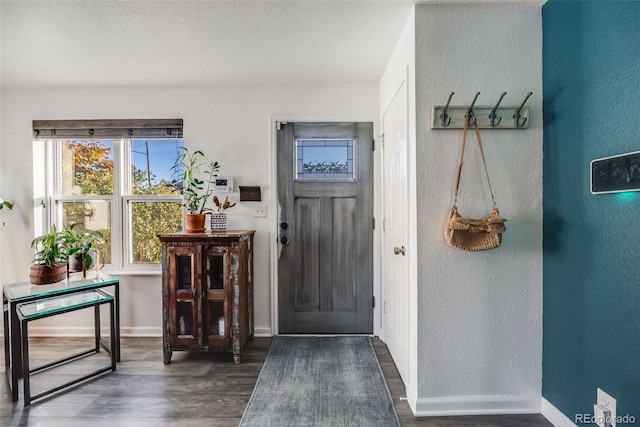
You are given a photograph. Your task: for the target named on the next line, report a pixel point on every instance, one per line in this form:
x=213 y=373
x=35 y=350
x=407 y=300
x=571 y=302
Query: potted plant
x=4 y=204
x=50 y=261
x=219 y=217
x=80 y=247
x=195 y=181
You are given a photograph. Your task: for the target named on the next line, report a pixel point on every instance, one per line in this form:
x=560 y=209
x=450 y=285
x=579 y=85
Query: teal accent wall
x=591 y=243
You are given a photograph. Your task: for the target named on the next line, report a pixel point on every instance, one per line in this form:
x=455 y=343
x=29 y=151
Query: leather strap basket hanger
x=471 y=234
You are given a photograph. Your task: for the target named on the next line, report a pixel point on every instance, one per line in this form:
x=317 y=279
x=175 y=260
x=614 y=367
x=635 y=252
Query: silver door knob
x=402 y=250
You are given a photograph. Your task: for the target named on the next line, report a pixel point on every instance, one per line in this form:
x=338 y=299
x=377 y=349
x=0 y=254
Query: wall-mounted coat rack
x=496 y=117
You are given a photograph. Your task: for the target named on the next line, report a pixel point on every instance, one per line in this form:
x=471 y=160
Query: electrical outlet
x=609 y=403
x=602 y=416
x=261 y=211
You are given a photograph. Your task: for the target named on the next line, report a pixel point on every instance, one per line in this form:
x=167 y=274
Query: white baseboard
x=554 y=416
x=125 y=331
x=141 y=331
x=475 y=405
x=262 y=331
x=137 y=331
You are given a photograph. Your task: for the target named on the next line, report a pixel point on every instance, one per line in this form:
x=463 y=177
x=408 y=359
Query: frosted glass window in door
x=325 y=159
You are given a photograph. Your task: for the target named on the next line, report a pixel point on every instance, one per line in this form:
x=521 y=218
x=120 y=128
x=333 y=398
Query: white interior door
x=395 y=285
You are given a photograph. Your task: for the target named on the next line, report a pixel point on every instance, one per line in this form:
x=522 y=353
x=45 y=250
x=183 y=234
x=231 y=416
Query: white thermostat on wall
x=224 y=184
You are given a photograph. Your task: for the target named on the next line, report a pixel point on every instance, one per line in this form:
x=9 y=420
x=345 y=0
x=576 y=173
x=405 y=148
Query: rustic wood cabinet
x=207 y=291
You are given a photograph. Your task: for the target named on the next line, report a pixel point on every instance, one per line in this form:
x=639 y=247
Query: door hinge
x=374 y=302
x=374 y=223
x=373 y=145
x=279 y=125
x=384 y=224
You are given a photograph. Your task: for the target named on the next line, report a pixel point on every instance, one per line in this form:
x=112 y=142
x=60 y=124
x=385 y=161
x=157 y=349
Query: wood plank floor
x=196 y=389
x=396 y=387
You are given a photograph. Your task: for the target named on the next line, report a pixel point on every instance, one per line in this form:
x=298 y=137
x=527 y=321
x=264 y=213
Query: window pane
x=91 y=215
x=148 y=219
x=87 y=168
x=324 y=159
x=151 y=162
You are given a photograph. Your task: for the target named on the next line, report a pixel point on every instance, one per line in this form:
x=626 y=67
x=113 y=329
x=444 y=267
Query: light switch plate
x=261 y=211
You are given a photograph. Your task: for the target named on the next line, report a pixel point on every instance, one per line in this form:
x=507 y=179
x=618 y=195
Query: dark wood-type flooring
x=196 y=389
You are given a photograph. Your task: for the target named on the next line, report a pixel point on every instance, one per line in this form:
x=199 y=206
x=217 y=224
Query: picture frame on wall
x=615 y=174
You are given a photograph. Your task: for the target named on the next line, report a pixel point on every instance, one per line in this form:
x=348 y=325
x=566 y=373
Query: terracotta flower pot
x=194 y=223
x=42 y=274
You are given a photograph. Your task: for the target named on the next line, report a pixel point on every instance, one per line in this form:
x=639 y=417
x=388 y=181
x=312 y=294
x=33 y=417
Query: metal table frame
x=97 y=298
x=18 y=293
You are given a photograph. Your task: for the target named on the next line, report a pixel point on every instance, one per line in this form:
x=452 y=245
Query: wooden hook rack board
x=504 y=117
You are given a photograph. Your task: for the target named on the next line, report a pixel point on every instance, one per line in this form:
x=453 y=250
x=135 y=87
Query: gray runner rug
x=320 y=381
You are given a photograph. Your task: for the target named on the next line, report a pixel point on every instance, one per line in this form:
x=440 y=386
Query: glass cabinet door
x=216 y=315
x=184 y=319
x=215 y=269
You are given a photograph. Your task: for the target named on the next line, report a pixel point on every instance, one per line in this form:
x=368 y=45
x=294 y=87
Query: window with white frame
x=121 y=186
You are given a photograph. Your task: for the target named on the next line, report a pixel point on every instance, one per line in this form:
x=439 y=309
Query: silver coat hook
x=471 y=119
x=446 y=119
x=517 y=116
x=492 y=115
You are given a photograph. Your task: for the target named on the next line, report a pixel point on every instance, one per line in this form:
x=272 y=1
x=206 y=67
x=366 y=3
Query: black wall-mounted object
x=616 y=174
x=250 y=193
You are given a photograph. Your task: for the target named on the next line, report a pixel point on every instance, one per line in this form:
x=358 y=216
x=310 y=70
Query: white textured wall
x=480 y=314
x=230 y=124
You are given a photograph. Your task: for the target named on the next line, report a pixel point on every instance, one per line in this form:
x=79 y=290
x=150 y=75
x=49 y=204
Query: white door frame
x=273 y=209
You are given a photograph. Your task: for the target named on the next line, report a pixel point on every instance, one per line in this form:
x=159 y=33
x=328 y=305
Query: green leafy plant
x=195 y=179
x=4 y=204
x=51 y=248
x=82 y=243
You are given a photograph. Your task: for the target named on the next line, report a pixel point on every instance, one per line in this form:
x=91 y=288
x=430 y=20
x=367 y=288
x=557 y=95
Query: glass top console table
x=21 y=292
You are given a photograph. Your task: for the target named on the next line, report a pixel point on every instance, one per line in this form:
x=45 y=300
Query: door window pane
x=324 y=159
x=87 y=168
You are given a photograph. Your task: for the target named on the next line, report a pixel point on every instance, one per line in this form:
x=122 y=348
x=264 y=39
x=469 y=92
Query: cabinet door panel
x=215 y=263
x=216 y=326
x=183 y=295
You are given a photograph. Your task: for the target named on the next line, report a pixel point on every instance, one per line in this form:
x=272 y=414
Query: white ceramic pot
x=218 y=221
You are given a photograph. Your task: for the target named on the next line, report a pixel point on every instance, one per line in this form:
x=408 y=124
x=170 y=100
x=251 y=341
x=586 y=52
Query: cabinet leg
x=167 y=356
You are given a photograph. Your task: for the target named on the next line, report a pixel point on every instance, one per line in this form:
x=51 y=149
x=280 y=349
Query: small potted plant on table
x=50 y=261
x=219 y=217
x=80 y=247
x=196 y=176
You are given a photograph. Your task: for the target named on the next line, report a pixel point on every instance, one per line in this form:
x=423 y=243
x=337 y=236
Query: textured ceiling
x=122 y=43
